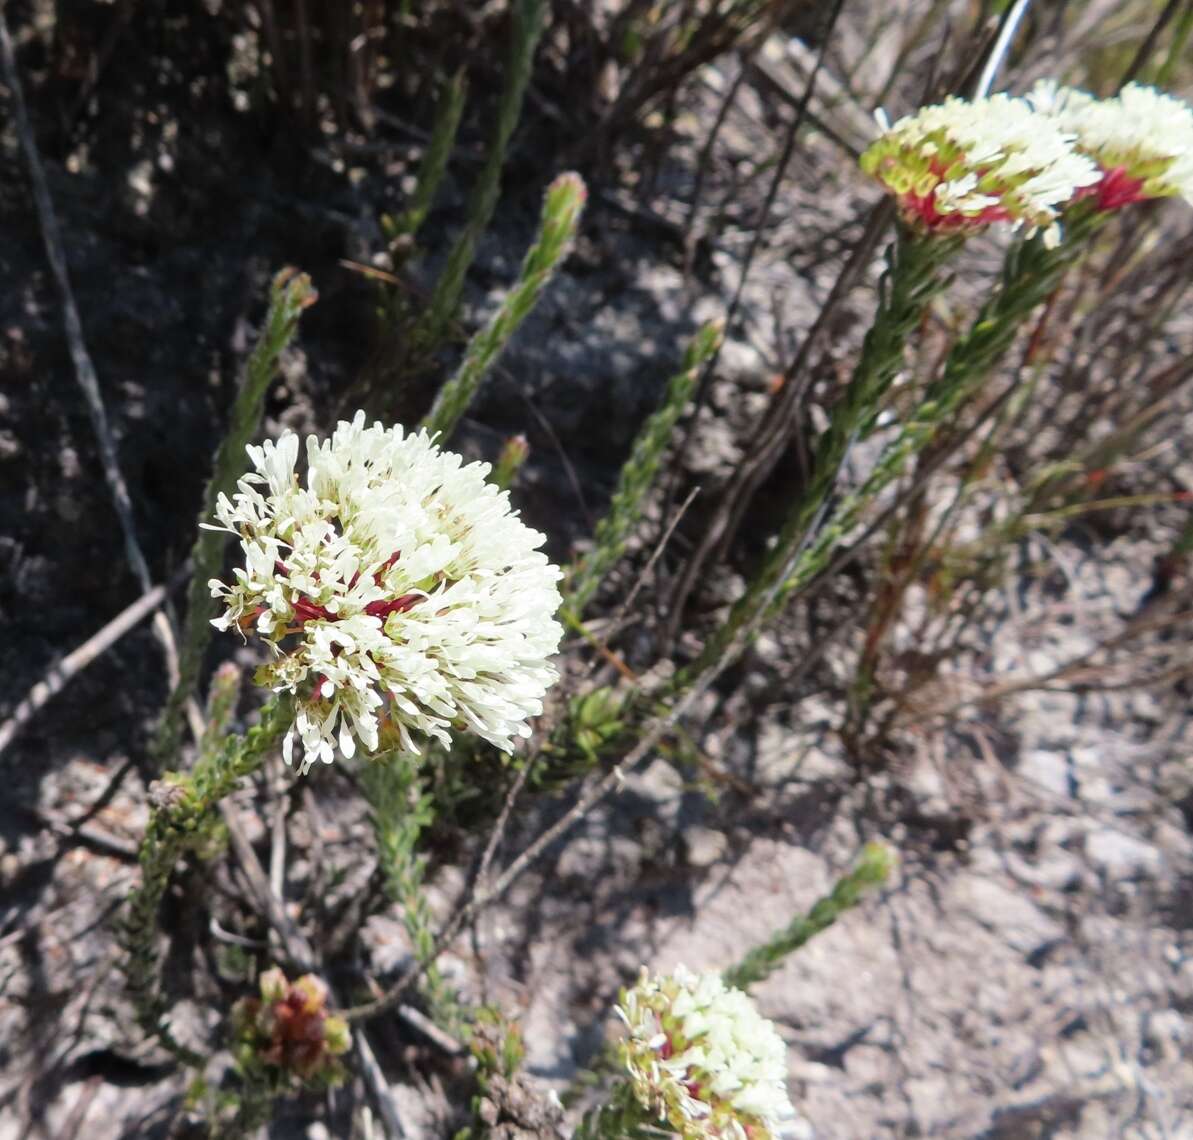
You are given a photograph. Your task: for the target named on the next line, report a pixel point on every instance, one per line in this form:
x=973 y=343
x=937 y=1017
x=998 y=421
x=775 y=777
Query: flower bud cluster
x=702 y=1059
x=1141 y=140
x=289 y=1030
x=400 y=595
x=962 y=165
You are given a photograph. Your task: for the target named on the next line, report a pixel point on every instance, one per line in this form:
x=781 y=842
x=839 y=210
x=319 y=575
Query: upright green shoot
x=435 y=159
x=526 y=19
x=290 y=294
x=1031 y=273
x=562 y=206
x=400 y=809
x=514 y=452
x=183 y=808
x=640 y=470
x=913 y=278
x=872 y=870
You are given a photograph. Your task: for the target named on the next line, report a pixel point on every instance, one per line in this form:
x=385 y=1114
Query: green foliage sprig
x=183 y=808
x=872 y=870
x=505 y=1102
x=526 y=28
x=1031 y=273
x=562 y=206
x=400 y=810
x=621 y=1117
x=290 y=294
x=913 y=278
x=435 y=159
x=639 y=471
x=514 y=452
x=222 y=698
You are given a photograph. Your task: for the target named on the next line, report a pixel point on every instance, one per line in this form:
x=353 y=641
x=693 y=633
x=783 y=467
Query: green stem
x=185 y=807
x=639 y=471
x=253 y=1110
x=1177 y=49
x=913 y=278
x=526 y=27
x=401 y=809
x=222 y=699
x=290 y=294
x=621 y=1117
x=1031 y=274
x=434 y=161
x=873 y=869
x=562 y=206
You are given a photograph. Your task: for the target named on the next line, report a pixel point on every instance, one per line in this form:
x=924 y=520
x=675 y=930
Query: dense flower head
x=701 y=1057
x=1141 y=139
x=289 y=1029
x=961 y=165
x=399 y=594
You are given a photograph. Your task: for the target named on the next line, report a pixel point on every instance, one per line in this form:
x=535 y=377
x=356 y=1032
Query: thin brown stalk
x=763 y=449
x=1075 y=667
x=1148 y=45
x=81 y=359
x=60 y=674
x=498 y=832
x=692 y=233
x=761 y=225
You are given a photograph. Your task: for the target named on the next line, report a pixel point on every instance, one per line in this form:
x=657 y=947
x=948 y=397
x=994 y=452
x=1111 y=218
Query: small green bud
x=274 y=986
x=336 y=1035
x=244 y=1015
x=513 y=454
x=877 y=864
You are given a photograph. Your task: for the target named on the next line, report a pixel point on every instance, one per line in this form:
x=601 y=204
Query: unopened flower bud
x=313 y=992
x=336 y=1035
x=289 y=1029
x=514 y=453
x=167 y=794
x=274 y=985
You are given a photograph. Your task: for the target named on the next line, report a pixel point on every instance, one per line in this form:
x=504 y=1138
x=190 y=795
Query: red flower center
x=922 y=208
x=1116 y=189
x=306 y=610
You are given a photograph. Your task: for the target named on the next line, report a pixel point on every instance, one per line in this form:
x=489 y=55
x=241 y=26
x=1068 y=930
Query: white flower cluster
x=1142 y=139
x=399 y=593
x=962 y=165
x=701 y=1057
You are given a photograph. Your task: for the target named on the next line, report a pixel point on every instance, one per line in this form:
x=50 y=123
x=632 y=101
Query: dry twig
x=84 y=368
x=75 y=662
